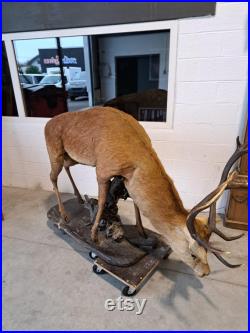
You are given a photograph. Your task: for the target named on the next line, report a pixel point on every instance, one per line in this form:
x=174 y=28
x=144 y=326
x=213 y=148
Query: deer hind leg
x=138 y=220
x=103 y=188
x=56 y=168
x=68 y=162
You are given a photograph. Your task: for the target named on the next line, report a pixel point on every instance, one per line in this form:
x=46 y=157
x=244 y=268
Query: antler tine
x=226 y=263
x=212 y=225
x=211 y=198
x=240 y=150
x=238 y=143
x=212 y=217
x=210 y=201
x=204 y=204
x=207 y=198
x=225 y=237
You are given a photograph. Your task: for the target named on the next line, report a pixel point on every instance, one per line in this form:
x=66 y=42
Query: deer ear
x=203 y=220
x=202 y=228
x=195 y=248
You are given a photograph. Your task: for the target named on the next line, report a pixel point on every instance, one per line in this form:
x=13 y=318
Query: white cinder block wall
x=210 y=111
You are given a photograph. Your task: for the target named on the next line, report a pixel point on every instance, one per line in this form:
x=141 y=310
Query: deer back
x=117 y=144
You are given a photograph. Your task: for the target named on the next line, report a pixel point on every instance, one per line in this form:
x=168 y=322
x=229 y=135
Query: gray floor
x=49 y=286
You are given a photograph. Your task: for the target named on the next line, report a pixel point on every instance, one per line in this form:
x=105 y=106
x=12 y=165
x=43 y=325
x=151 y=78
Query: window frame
x=172 y=26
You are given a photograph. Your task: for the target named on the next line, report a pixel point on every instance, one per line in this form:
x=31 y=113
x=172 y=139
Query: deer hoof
x=81 y=201
x=65 y=217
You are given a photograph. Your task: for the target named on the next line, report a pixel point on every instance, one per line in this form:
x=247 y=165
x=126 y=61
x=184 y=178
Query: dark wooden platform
x=135 y=275
x=130 y=260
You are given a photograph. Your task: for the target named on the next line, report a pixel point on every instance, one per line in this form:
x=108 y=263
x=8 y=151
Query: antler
x=204 y=204
x=241 y=149
x=210 y=201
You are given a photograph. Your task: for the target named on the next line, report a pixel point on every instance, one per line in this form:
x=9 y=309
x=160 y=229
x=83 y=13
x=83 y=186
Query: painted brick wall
x=211 y=100
x=210 y=111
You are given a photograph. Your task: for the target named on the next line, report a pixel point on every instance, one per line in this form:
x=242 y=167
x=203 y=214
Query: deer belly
x=82 y=155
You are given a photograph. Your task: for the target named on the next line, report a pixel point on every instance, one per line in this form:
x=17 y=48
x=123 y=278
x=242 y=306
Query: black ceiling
x=30 y=16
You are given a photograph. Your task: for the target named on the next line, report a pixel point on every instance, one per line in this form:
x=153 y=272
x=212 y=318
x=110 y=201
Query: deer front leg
x=103 y=187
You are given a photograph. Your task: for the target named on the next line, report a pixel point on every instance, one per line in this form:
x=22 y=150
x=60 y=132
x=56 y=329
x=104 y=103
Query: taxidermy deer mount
x=117 y=145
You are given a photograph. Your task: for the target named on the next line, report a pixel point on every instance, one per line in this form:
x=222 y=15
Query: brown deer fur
x=116 y=144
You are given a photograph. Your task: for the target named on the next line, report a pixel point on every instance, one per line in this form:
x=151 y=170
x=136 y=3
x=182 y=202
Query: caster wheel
x=98 y=270
x=92 y=255
x=126 y=291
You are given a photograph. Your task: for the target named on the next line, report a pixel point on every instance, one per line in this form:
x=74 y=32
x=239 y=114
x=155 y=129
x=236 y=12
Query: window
x=52 y=75
x=8 y=102
x=130 y=72
x=44 y=98
x=80 y=68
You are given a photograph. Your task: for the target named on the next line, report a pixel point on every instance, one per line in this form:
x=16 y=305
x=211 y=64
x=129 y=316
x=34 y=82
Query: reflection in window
x=8 y=102
x=126 y=71
x=76 y=69
x=52 y=74
x=130 y=72
x=40 y=99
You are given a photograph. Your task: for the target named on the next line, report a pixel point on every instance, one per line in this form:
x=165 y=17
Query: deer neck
x=156 y=196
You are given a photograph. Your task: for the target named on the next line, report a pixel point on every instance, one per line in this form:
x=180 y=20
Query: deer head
x=228 y=180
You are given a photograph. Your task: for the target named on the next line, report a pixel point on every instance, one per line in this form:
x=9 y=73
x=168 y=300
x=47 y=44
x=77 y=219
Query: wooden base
x=135 y=275
x=130 y=260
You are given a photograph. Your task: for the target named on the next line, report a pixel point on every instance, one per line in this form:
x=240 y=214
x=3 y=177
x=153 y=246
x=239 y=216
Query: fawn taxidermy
x=117 y=145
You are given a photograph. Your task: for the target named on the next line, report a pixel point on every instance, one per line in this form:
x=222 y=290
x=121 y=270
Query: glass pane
x=40 y=77
x=130 y=72
x=75 y=58
x=8 y=102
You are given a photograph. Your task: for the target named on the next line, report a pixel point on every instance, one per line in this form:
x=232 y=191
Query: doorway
x=136 y=73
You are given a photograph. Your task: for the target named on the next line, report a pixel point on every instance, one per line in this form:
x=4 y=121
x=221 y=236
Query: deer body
x=117 y=145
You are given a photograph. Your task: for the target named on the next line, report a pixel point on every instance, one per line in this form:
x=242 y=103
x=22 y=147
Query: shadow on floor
x=181 y=288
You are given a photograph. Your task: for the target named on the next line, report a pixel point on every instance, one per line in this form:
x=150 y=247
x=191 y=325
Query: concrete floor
x=49 y=286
